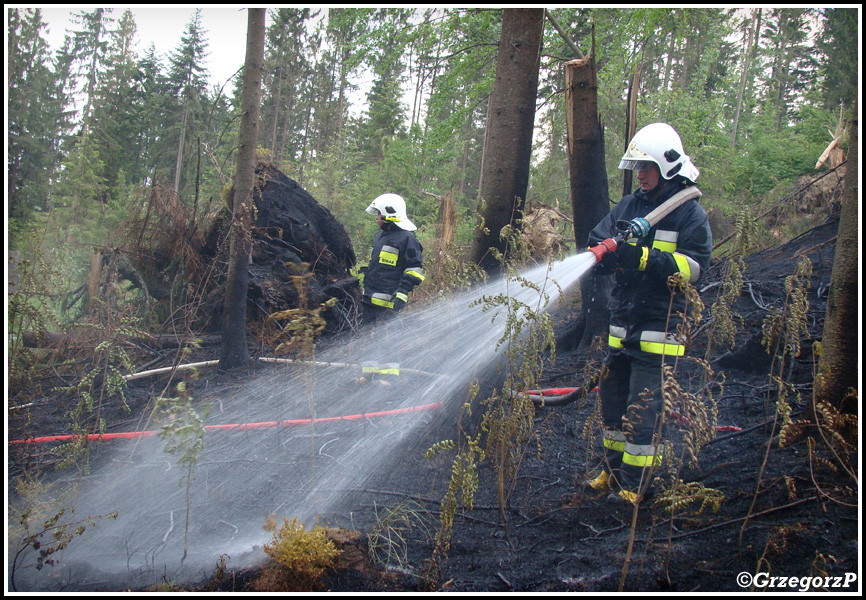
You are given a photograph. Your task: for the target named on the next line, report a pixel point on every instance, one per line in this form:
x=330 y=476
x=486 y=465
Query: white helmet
x=661 y=144
x=393 y=209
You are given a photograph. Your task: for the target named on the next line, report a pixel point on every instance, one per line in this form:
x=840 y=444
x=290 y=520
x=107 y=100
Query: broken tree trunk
x=589 y=193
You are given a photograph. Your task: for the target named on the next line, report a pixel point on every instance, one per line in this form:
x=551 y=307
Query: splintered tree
x=510 y=122
x=234 y=342
x=589 y=193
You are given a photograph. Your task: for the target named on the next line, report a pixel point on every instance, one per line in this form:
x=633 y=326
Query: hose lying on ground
x=563 y=396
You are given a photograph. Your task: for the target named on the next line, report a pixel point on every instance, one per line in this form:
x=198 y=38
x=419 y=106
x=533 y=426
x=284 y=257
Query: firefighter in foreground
x=643 y=320
x=396 y=265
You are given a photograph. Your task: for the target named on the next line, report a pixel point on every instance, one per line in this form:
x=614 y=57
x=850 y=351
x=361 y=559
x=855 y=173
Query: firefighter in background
x=643 y=322
x=396 y=265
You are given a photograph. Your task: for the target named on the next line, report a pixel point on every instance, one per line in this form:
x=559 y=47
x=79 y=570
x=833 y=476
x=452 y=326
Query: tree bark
x=234 y=342
x=94 y=279
x=838 y=369
x=589 y=192
x=508 y=140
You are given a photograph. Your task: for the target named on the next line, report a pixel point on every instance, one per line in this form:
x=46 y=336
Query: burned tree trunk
x=508 y=140
x=589 y=193
x=234 y=347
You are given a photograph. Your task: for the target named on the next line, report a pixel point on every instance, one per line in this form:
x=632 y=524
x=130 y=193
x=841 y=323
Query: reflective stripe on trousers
x=641 y=455
x=614 y=440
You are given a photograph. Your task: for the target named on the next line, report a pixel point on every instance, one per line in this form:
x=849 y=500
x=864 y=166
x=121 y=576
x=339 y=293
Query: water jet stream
x=243 y=476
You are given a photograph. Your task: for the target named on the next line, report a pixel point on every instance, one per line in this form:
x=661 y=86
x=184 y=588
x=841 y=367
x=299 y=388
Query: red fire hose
x=95 y=437
x=562 y=396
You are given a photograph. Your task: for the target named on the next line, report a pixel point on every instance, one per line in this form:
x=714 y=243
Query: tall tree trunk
x=840 y=359
x=179 y=163
x=630 y=122
x=589 y=192
x=234 y=341
x=508 y=139
x=276 y=112
x=750 y=50
x=669 y=59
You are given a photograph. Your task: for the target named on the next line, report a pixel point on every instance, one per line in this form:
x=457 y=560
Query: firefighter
x=396 y=265
x=643 y=313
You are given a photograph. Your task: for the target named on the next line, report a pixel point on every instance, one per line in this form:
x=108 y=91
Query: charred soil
x=791 y=511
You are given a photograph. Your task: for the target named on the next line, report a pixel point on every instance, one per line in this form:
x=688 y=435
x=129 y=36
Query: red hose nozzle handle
x=608 y=245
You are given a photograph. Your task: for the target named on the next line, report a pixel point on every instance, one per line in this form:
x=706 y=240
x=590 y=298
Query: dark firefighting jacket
x=643 y=313
x=395 y=268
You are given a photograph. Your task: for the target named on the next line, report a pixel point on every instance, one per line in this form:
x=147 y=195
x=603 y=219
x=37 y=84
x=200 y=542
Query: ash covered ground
x=802 y=507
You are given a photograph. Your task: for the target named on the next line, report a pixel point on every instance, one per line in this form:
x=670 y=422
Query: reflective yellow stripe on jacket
x=652 y=342
x=385 y=300
x=658 y=342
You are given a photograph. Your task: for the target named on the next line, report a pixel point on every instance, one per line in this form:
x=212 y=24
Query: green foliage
x=184 y=436
x=34 y=113
x=184 y=433
x=777 y=156
x=29 y=310
x=305 y=555
x=840 y=69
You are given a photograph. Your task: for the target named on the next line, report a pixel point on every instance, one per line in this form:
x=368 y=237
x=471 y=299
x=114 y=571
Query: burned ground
x=792 y=511
x=561 y=536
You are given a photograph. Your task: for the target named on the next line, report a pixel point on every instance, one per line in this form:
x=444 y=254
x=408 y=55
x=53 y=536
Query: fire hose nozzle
x=600 y=249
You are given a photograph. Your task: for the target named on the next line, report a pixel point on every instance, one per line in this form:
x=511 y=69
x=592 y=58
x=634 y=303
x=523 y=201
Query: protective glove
x=629 y=256
x=400 y=301
x=608 y=263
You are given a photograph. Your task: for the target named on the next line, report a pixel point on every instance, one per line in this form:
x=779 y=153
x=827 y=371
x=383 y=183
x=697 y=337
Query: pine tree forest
x=96 y=130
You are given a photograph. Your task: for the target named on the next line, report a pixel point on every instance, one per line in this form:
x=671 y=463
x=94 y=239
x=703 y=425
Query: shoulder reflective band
x=615 y=337
x=388 y=255
x=384 y=369
x=382 y=300
x=641 y=455
x=658 y=342
x=643 y=258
